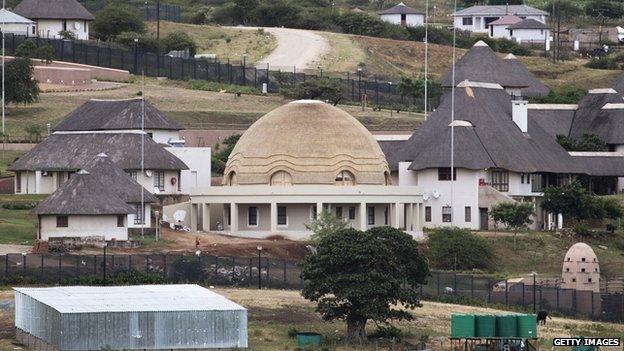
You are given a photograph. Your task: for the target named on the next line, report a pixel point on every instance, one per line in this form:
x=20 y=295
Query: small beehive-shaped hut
x=581 y=270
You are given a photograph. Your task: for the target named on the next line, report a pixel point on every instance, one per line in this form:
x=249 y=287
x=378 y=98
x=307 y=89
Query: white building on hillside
x=498 y=28
x=54 y=16
x=296 y=161
x=477 y=18
x=12 y=23
x=403 y=15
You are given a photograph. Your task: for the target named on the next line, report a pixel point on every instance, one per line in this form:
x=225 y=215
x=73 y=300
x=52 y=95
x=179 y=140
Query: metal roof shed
x=130 y=317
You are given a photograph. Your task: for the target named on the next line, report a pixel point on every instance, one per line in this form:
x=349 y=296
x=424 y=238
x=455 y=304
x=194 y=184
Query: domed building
x=297 y=160
x=581 y=270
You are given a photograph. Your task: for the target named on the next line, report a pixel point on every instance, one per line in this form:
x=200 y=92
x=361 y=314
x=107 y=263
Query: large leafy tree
x=20 y=86
x=115 y=19
x=574 y=201
x=454 y=248
x=602 y=9
x=359 y=276
x=515 y=215
x=220 y=155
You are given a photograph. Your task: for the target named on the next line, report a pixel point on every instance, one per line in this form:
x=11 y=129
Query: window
x=282 y=216
x=228 y=216
x=537 y=181
x=467 y=21
x=179 y=180
x=159 y=180
x=18 y=182
x=467 y=214
x=139 y=211
x=370 y=214
x=252 y=216
x=120 y=221
x=567 y=269
x=444 y=173
x=345 y=178
x=352 y=212
x=62 y=221
x=281 y=178
x=573 y=280
x=60 y=179
x=313 y=212
x=427 y=213
x=339 y=212
x=583 y=259
x=64 y=24
x=33 y=30
x=150 y=135
x=582 y=270
x=446 y=214
x=589 y=280
x=522 y=178
x=500 y=180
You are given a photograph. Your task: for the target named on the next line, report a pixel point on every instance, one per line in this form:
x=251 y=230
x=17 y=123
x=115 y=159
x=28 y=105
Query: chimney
x=519 y=114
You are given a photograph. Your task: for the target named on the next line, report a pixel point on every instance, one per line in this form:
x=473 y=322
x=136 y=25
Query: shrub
x=459 y=249
x=587 y=142
x=292 y=332
x=325 y=89
x=145 y=43
x=388 y=332
x=565 y=95
x=30 y=50
x=214 y=86
x=583 y=230
x=179 y=41
x=115 y=19
x=602 y=63
x=19 y=205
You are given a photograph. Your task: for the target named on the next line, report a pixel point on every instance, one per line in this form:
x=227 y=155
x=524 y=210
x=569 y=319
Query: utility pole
x=554 y=34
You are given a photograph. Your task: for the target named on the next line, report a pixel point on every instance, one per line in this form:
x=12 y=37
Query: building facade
x=478 y=18
x=403 y=15
x=53 y=17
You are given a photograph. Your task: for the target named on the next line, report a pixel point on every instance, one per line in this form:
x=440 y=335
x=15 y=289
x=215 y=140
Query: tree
x=515 y=215
x=325 y=224
x=180 y=41
x=604 y=9
x=587 y=142
x=359 y=276
x=574 y=201
x=567 y=10
x=115 y=19
x=415 y=88
x=458 y=249
x=325 y=89
x=220 y=157
x=20 y=87
x=34 y=132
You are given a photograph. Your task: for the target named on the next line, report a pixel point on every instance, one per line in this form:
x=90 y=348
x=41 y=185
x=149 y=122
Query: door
x=483 y=219
x=403 y=19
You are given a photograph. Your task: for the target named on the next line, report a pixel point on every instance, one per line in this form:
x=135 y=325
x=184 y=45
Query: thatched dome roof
x=310 y=142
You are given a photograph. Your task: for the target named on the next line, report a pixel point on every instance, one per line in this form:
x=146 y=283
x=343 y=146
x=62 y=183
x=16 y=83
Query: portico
x=261 y=210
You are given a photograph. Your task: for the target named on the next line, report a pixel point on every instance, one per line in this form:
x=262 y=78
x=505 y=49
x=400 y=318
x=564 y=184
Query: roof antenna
x=453 y=118
x=426 y=54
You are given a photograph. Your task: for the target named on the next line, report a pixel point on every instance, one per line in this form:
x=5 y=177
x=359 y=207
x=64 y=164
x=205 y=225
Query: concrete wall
x=199 y=163
x=83 y=226
x=62 y=75
x=499 y=31
x=51 y=28
x=410 y=20
x=148 y=182
x=527 y=35
x=28 y=182
x=147 y=215
x=163 y=136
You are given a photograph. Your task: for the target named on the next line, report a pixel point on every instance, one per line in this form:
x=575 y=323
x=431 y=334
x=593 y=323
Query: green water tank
x=506 y=325
x=462 y=326
x=304 y=339
x=485 y=326
x=527 y=326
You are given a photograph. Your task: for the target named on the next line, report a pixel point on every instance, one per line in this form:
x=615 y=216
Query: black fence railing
x=171 y=13
x=63 y=269
x=356 y=88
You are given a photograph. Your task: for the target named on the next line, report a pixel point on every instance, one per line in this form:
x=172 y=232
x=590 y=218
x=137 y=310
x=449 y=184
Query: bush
x=587 y=142
x=214 y=86
x=565 y=95
x=19 y=205
x=602 y=63
x=459 y=249
x=30 y=50
x=115 y=19
x=365 y=24
x=179 y=41
x=146 y=43
x=325 y=89
x=292 y=332
x=583 y=230
x=388 y=332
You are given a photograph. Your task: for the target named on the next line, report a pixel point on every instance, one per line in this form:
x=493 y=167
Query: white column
x=234 y=217
x=409 y=216
x=206 y=218
x=418 y=219
x=37 y=182
x=193 y=220
x=559 y=221
x=319 y=209
x=363 y=217
x=273 y=213
x=397 y=216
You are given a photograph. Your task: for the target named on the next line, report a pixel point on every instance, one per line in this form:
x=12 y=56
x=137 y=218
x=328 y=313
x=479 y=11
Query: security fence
x=64 y=269
x=171 y=13
x=356 y=88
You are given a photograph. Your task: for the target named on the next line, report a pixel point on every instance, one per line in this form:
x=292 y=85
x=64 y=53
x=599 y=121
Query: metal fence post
x=42 y=273
x=6 y=265
x=472 y=286
x=506 y=292
x=129 y=262
x=165 y=267
x=523 y=301
x=454 y=283
x=438 y=282
x=557 y=297
x=250 y=271
x=60 y=268
x=284 y=285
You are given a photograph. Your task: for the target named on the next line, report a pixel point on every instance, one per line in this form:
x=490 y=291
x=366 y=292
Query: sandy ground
x=8 y=249
x=296 y=49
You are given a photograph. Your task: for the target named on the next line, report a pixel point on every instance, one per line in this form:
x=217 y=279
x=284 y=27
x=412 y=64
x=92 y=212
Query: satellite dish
x=156 y=190
x=179 y=215
x=148 y=173
x=435 y=194
x=426 y=197
x=77 y=25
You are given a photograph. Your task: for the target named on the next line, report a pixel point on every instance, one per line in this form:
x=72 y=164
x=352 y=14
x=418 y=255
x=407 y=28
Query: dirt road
x=296 y=49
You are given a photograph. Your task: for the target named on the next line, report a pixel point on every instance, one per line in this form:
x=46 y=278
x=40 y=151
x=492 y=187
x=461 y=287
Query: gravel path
x=296 y=48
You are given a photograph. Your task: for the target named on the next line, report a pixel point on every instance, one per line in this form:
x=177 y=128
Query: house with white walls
x=478 y=18
x=53 y=16
x=403 y=15
x=498 y=28
x=12 y=23
x=529 y=31
x=500 y=155
x=100 y=201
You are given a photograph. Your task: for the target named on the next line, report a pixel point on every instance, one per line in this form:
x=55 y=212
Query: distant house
x=15 y=24
x=529 y=30
x=498 y=28
x=102 y=201
x=403 y=15
x=53 y=16
x=478 y=18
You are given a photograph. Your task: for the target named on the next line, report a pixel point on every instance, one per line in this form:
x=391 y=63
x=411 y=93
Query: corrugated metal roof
x=139 y=298
x=8 y=17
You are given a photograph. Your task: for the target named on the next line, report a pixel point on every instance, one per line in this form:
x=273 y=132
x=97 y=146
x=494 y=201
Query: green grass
x=6 y=158
x=18 y=226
